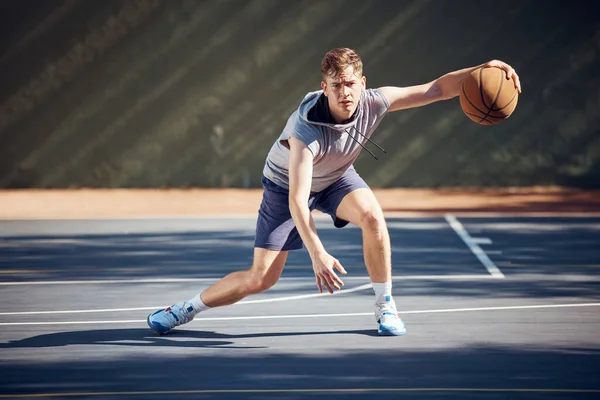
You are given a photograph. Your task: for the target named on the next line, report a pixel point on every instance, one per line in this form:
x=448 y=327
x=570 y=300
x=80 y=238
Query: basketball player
x=310 y=166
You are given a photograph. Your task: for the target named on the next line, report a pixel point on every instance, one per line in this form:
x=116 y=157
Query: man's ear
x=324 y=87
x=364 y=82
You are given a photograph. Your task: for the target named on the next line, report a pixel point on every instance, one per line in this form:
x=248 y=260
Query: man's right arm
x=301 y=168
x=300 y=171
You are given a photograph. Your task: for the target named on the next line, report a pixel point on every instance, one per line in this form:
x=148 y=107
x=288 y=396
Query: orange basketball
x=487 y=97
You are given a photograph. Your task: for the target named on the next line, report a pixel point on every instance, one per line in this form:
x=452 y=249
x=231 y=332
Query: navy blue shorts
x=275 y=228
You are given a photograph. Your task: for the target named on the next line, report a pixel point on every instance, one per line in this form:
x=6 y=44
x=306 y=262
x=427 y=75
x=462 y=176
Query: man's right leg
x=267 y=267
x=265 y=272
x=275 y=230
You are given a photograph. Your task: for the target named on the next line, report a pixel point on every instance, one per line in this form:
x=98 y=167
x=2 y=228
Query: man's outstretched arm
x=444 y=88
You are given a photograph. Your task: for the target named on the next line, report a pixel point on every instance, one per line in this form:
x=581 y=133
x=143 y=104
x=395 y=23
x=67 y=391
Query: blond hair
x=337 y=60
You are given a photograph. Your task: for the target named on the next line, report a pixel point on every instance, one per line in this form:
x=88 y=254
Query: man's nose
x=345 y=91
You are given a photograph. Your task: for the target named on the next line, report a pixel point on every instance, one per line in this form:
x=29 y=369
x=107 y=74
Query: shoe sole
x=390 y=332
x=161 y=333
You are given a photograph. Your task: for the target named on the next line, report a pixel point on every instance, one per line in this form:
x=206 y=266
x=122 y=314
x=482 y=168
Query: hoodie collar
x=314 y=109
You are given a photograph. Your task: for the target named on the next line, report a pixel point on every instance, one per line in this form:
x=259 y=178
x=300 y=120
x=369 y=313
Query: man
x=310 y=167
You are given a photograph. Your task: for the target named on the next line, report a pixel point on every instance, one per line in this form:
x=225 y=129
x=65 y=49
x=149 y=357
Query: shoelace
x=387 y=308
x=391 y=320
x=179 y=314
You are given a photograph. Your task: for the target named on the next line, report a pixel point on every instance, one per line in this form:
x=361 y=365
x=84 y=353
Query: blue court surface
x=503 y=307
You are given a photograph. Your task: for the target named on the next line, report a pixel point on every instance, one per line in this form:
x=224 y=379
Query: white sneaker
x=162 y=321
x=390 y=323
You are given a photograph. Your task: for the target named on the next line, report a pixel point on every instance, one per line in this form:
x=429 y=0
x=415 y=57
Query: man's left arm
x=444 y=88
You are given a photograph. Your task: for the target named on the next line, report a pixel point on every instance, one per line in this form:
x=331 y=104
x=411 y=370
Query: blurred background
x=192 y=93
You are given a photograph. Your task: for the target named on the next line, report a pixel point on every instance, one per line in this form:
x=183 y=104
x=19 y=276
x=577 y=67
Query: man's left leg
x=361 y=208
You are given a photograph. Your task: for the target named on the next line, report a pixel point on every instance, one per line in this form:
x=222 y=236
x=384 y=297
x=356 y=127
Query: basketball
x=487 y=97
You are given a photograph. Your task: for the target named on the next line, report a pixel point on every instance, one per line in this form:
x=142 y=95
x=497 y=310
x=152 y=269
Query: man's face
x=343 y=93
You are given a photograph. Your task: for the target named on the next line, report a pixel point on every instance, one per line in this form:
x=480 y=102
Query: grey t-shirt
x=331 y=144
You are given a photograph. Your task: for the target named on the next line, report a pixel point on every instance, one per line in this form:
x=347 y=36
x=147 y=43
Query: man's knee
x=266 y=270
x=257 y=283
x=372 y=221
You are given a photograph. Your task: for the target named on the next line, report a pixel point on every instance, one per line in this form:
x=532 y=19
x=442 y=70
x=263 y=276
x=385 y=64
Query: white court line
x=211 y=280
x=265 y=317
x=259 y=301
x=473 y=246
x=272 y=300
x=481 y=240
x=307 y=296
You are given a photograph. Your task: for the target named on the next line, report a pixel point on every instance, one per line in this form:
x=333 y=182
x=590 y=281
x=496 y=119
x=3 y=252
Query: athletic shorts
x=275 y=228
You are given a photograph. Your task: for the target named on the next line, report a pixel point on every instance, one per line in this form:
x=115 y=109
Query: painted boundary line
x=473 y=245
x=211 y=280
x=300 y=390
x=257 y=301
x=366 y=286
x=297 y=316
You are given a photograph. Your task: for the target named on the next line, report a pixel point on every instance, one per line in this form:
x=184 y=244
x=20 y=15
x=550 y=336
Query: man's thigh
x=275 y=228
x=358 y=204
x=331 y=199
x=268 y=264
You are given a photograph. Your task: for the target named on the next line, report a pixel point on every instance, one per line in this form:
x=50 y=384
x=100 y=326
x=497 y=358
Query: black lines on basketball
x=485 y=98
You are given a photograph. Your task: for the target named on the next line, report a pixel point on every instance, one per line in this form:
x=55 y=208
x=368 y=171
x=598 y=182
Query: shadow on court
x=546 y=247
x=476 y=367
x=419 y=247
x=145 y=337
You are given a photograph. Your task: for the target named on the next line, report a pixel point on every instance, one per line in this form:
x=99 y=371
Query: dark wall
x=153 y=93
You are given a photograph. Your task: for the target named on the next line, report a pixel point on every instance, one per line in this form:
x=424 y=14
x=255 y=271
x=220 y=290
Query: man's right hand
x=324 y=265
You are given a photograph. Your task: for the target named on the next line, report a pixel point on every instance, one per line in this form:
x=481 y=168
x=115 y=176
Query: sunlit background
x=190 y=93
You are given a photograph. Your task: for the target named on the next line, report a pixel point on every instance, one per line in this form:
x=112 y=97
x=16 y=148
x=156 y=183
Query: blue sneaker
x=162 y=321
x=390 y=323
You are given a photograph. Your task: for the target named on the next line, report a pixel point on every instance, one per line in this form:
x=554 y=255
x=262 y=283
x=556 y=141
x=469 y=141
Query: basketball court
x=495 y=307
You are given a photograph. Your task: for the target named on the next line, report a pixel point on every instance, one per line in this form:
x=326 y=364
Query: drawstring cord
x=361 y=145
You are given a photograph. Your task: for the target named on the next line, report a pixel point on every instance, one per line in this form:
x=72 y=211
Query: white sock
x=383 y=291
x=198 y=304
